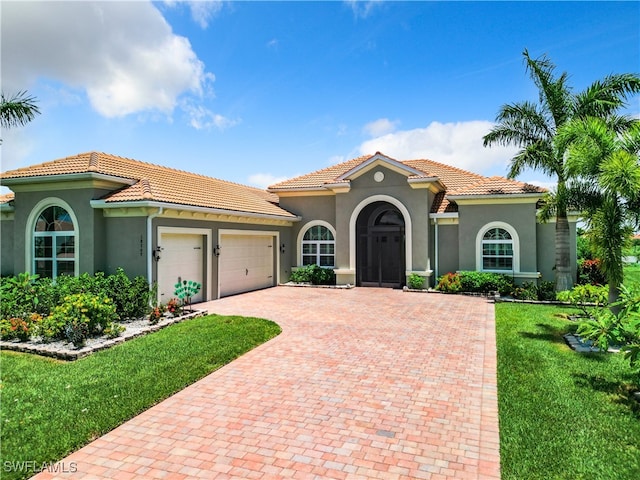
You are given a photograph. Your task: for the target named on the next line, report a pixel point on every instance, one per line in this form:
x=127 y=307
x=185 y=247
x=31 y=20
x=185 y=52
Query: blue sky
x=255 y=92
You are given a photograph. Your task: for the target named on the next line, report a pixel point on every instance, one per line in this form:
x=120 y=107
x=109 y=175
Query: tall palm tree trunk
x=564 y=277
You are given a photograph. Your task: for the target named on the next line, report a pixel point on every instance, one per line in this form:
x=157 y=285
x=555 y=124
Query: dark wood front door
x=381 y=256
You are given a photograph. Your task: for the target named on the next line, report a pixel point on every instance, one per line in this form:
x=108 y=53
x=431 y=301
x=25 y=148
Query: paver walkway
x=362 y=383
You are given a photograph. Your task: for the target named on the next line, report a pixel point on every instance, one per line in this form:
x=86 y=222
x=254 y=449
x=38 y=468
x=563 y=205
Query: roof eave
x=66 y=177
x=102 y=204
x=457 y=198
x=379 y=157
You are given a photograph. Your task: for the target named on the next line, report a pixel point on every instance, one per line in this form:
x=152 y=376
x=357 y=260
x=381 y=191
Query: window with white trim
x=318 y=247
x=54 y=249
x=497 y=250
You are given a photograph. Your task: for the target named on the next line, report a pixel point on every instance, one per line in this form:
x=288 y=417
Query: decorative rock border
x=585 y=346
x=66 y=350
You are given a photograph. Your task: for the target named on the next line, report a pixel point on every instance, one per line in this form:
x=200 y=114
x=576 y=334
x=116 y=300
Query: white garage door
x=246 y=263
x=181 y=258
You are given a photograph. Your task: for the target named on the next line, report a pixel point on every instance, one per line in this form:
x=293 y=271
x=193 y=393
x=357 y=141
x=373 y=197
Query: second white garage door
x=246 y=263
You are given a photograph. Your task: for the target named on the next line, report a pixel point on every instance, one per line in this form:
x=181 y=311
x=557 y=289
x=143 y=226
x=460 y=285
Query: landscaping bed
x=63 y=349
x=71 y=317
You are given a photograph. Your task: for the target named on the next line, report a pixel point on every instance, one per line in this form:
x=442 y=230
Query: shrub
x=485 y=282
x=20 y=327
x=314 y=274
x=97 y=312
x=131 y=298
x=547 y=290
x=527 y=291
x=19 y=296
x=76 y=331
x=415 y=281
x=449 y=283
x=585 y=297
x=113 y=330
x=605 y=328
x=174 y=307
x=589 y=272
x=157 y=313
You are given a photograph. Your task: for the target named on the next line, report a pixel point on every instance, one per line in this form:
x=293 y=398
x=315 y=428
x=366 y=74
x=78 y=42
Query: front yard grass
x=52 y=408
x=563 y=415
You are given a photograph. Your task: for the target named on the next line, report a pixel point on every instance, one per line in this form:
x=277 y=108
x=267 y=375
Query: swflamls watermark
x=31 y=466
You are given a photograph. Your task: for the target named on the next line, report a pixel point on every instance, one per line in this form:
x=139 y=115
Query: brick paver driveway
x=362 y=383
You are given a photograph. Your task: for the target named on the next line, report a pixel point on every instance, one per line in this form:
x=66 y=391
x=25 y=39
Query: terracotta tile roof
x=318 y=178
x=455 y=180
x=498 y=186
x=6 y=198
x=161 y=184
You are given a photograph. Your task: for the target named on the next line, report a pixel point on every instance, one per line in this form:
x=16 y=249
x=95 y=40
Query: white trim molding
x=408 y=228
x=304 y=229
x=515 y=243
x=29 y=236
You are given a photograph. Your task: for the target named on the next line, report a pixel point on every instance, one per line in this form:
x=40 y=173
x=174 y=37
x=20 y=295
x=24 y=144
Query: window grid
x=54 y=248
x=497 y=250
x=318 y=247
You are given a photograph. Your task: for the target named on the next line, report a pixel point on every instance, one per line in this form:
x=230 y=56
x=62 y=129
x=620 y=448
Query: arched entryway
x=380 y=249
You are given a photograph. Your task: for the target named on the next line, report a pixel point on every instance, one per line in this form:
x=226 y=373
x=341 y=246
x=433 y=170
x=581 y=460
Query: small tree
x=603 y=157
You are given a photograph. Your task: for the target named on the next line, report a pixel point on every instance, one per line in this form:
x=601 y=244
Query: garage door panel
x=246 y=263
x=181 y=258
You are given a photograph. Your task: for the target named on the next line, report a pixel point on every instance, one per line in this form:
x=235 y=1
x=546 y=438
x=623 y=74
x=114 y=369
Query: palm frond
x=17 y=110
x=555 y=93
x=604 y=97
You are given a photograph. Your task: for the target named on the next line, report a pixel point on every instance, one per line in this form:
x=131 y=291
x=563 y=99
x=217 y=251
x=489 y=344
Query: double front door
x=381 y=256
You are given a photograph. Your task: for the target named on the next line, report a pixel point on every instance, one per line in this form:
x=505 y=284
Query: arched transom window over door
x=54 y=248
x=497 y=250
x=318 y=247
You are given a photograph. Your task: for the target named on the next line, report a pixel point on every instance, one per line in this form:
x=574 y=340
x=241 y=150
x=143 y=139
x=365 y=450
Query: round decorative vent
x=378 y=176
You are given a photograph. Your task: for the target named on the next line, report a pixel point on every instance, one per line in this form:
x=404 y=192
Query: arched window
x=318 y=247
x=497 y=250
x=54 y=248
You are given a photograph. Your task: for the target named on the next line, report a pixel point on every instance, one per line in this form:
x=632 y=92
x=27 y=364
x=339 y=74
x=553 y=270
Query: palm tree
x=17 y=110
x=603 y=159
x=532 y=128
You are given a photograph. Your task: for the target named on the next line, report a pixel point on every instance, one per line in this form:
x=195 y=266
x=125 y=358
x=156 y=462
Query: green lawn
x=563 y=415
x=632 y=274
x=51 y=408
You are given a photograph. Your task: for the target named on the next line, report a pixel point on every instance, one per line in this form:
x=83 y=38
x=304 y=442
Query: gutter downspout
x=437 y=259
x=150 y=246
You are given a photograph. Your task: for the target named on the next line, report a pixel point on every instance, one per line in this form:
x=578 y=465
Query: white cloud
x=263 y=180
x=380 y=127
x=457 y=144
x=362 y=8
x=202 y=11
x=124 y=55
x=201 y=118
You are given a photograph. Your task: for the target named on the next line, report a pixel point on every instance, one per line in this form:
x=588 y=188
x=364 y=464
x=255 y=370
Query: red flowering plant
x=174 y=307
x=157 y=313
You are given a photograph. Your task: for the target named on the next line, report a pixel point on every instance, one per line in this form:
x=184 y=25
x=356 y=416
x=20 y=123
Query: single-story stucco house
x=373 y=219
